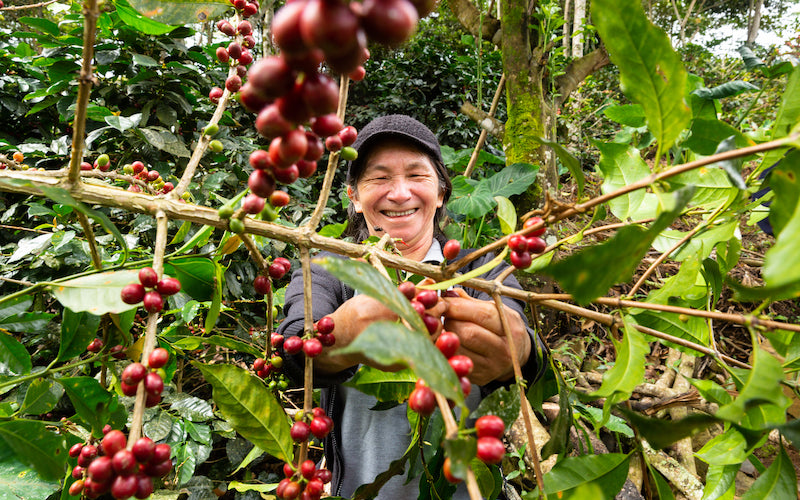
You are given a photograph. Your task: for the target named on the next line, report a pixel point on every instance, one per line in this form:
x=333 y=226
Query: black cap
x=398 y=126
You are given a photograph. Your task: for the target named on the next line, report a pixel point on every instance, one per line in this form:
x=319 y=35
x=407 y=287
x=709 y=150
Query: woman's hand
x=477 y=324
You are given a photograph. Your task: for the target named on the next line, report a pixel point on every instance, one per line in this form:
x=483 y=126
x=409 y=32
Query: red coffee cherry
x=113 y=442
x=307 y=469
x=432 y=323
x=300 y=431
x=284 y=262
x=325 y=325
x=321 y=426
x=133 y=293
x=133 y=374
x=144 y=486
x=531 y=222
x=490 y=450
x=521 y=260
x=451 y=249
x=124 y=486
x=161 y=453
x=408 y=289
x=293 y=345
x=312 y=347
x=75 y=450
x=153 y=384
x=262 y=285
x=124 y=462
x=536 y=244
x=100 y=470
x=428 y=298
x=490 y=426
x=158 y=358
x=153 y=302
x=327 y=339
x=143 y=449
x=448 y=343
x=276 y=270
x=461 y=364
x=215 y=94
x=422 y=400
x=128 y=390
x=253 y=204
x=168 y=286
x=518 y=243
x=95 y=346
x=148 y=277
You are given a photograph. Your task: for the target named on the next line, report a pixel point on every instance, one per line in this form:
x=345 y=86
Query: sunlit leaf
x=96 y=293
x=21 y=482
x=608 y=471
x=180 y=12
x=41 y=397
x=622 y=165
x=34 y=444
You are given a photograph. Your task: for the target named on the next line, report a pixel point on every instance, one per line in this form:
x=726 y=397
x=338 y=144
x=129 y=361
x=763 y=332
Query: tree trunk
x=577 y=28
x=754 y=23
x=566 y=38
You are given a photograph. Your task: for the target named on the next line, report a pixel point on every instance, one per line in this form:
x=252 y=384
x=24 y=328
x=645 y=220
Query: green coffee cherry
x=215 y=146
x=349 y=153
x=211 y=129
x=225 y=212
x=268 y=214
x=236 y=226
x=103 y=160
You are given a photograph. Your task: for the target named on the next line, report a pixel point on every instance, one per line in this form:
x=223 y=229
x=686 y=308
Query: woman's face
x=398 y=193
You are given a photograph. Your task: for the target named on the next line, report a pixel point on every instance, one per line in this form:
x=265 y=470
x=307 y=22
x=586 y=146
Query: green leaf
x=122 y=123
x=41 y=397
x=651 y=72
x=14 y=358
x=192 y=343
x=661 y=433
x=367 y=280
x=732 y=167
x=250 y=408
x=14 y=306
x=92 y=402
x=720 y=481
x=77 y=330
x=628 y=370
x=569 y=161
x=506 y=214
x=21 y=482
x=389 y=343
x=622 y=165
x=475 y=202
x=751 y=61
x=384 y=386
x=96 y=293
x=45 y=25
x=180 y=12
x=503 y=402
x=630 y=115
x=191 y=408
x=693 y=328
x=132 y=18
x=196 y=274
x=216 y=300
x=707 y=134
x=663 y=490
x=143 y=60
x=513 y=179
x=607 y=471
x=711 y=391
x=34 y=444
x=728 y=448
x=590 y=272
x=701 y=244
x=559 y=428
x=781 y=268
x=727 y=89
x=787 y=117
x=785 y=183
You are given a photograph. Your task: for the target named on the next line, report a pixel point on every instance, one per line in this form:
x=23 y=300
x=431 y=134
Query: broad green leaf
x=192 y=408
x=506 y=214
x=512 y=180
x=216 y=299
x=77 y=330
x=708 y=134
x=14 y=358
x=192 y=343
x=41 y=397
x=45 y=25
x=781 y=267
x=628 y=370
x=679 y=285
x=787 y=117
x=559 y=428
x=389 y=343
x=476 y=198
x=143 y=60
x=661 y=433
x=711 y=391
x=474 y=203
x=631 y=115
x=651 y=72
x=384 y=386
x=607 y=471
x=92 y=402
x=96 y=293
x=785 y=183
x=663 y=490
x=622 y=165
x=750 y=59
x=569 y=161
x=250 y=408
x=693 y=328
x=180 y=12
x=34 y=444
x=733 y=166
x=14 y=306
x=367 y=280
x=504 y=403
x=727 y=89
x=196 y=274
x=728 y=448
x=490 y=481
x=778 y=482
x=122 y=123
x=164 y=140
x=21 y=482
x=596 y=417
x=701 y=244
x=589 y=273
x=720 y=481
x=461 y=452
x=27 y=322
x=259 y=487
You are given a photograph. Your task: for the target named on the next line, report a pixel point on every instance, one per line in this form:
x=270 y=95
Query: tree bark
x=469 y=17
x=754 y=23
x=578 y=70
x=577 y=24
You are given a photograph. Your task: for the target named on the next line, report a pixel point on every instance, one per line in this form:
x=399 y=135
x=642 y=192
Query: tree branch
x=487 y=122
x=578 y=70
x=470 y=18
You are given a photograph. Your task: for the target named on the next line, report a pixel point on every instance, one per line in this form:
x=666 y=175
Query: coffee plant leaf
x=365 y=279
x=784 y=180
x=761 y=403
x=77 y=330
x=661 y=433
x=193 y=409
x=791 y=430
x=720 y=481
x=662 y=487
x=559 y=428
x=41 y=397
x=14 y=358
x=180 y=12
x=711 y=391
x=21 y=482
x=503 y=402
x=568 y=160
x=788 y=116
x=192 y=343
x=727 y=89
x=474 y=201
x=132 y=18
x=630 y=115
x=506 y=214
x=93 y=404
x=36 y=445
x=651 y=72
x=384 y=386
x=96 y=293
x=245 y=487
x=388 y=343
x=621 y=165
x=488 y=477
x=708 y=134
x=701 y=244
x=196 y=274
x=512 y=180
x=250 y=407
x=728 y=448
x=14 y=306
x=693 y=328
x=461 y=451
x=608 y=471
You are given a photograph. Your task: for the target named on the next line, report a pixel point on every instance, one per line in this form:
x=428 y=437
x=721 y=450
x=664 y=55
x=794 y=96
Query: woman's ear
x=353 y=195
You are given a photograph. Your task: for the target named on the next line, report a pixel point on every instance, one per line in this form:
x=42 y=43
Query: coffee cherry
x=428 y=298
x=233 y=83
x=133 y=293
x=128 y=390
x=158 y=358
x=222 y=55
x=153 y=302
x=422 y=400
x=408 y=289
x=158 y=469
x=293 y=345
x=143 y=449
x=307 y=469
x=432 y=323
x=291 y=491
x=236 y=226
x=532 y=222
x=490 y=450
x=144 y=486
x=276 y=271
x=333 y=143
x=215 y=94
x=168 y=286
x=262 y=285
x=328 y=126
x=490 y=426
x=325 y=325
x=113 y=442
x=244 y=28
x=466 y=385
x=349 y=153
x=76 y=488
x=331 y=26
x=225 y=212
x=244 y=60
x=312 y=347
x=117 y=352
x=286 y=28
x=249 y=9
x=388 y=22
x=95 y=346
x=448 y=343
x=283 y=261
x=226 y=27
x=348 y=135
x=451 y=249
x=536 y=244
x=448 y=475
x=286 y=175
x=161 y=453
x=88 y=453
x=461 y=364
x=259 y=159
x=276 y=340
x=261 y=183
x=138 y=167
x=321 y=426
x=124 y=462
x=518 y=243
x=153 y=384
x=323 y=475
x=253 y=204
x=276 y=362
x=300 y=431
x=85 y=165
x=133 y=374
x=75 y=450
x=148 y=277
x=124 y=486
x=313 y=489
x=520 y=260
x=358 y=74
x=279 y=198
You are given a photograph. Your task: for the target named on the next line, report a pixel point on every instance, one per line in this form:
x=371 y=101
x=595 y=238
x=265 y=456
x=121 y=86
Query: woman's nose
x=399 y=190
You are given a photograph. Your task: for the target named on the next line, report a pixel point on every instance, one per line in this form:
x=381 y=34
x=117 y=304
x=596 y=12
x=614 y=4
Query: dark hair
x=357 y=225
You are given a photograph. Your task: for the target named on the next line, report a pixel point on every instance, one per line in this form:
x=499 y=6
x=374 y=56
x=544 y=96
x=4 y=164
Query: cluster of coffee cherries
x=18 y=157
x=140 y=171
x=317 y=423
x=277 y=270
x=422 y=400
x=113 y=468
x=312 y=346
x=97 y=345
x=101 y=163
x=522 y=246
x=237 y=53
x=489 y=430
x=136 y=373
x=153 y=300
x=305 y=482
x=271 y=368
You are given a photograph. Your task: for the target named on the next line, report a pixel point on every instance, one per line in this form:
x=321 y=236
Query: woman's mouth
x=389 y=213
